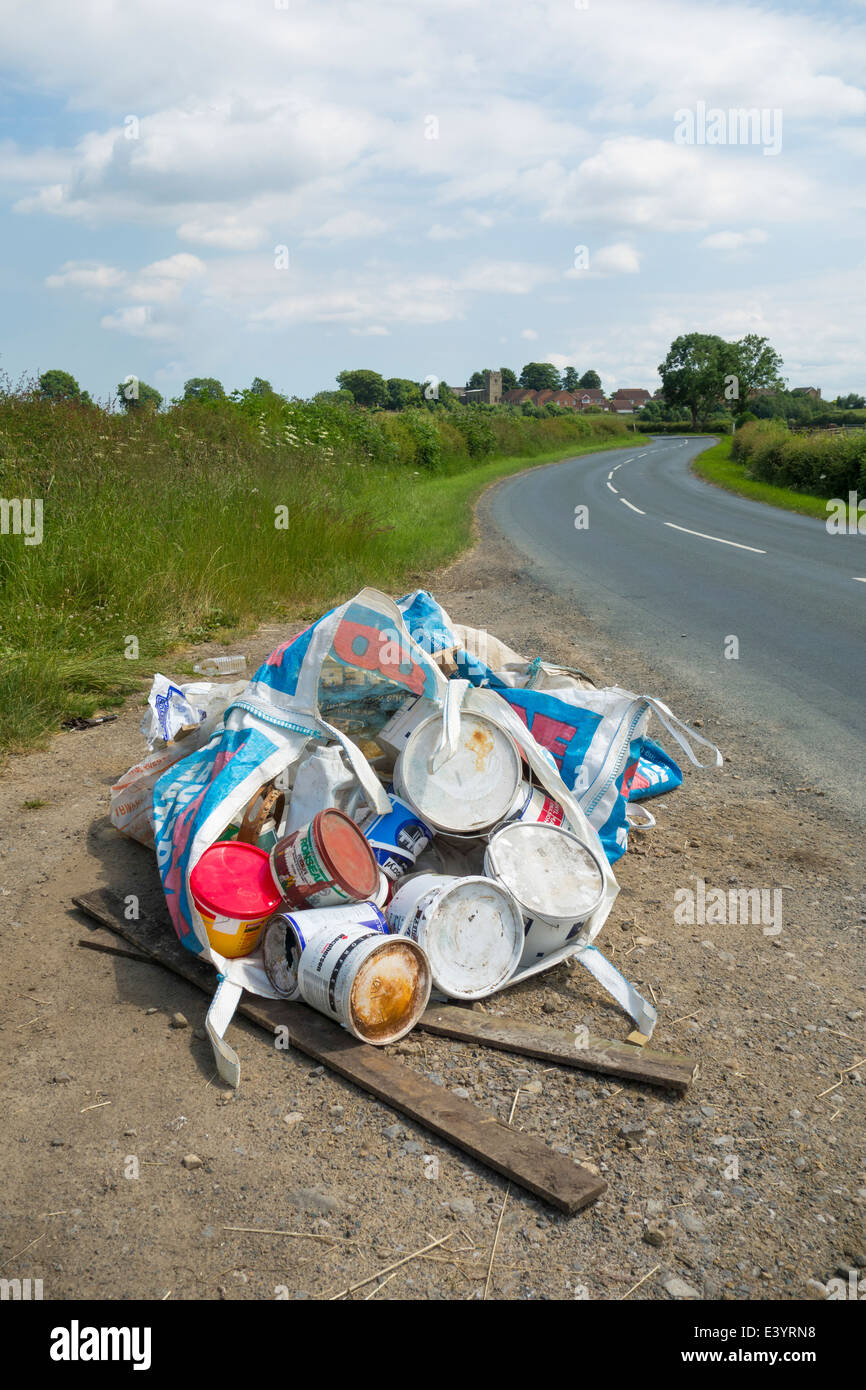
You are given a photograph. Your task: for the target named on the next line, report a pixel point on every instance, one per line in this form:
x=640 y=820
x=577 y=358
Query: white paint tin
x=535 y=805
x=557 y=880
x=471 y=929
x=287 y=933
x=376 y=986
x=473 y=790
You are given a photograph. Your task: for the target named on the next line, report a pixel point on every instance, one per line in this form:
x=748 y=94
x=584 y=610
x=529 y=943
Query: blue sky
x=430 y=169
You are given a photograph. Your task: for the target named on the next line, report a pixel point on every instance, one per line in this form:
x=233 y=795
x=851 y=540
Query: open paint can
x=376 y=986
x=471 y=929
x=557 y=880
x=325 y=863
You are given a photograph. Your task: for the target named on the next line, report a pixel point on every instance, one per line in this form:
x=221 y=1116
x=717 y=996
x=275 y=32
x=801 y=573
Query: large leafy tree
x=694 y=371
x=203 y=388
x=590 y=381
x=570 y=379
x=851 y=402
x=56 y=385
x=540 y=376
x=509 y=379
x=758 y=367
x=367 y=387
x=137 y=395
x=403 y=393
x=477 y=381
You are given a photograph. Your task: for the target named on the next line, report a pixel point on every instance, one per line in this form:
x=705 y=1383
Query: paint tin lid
x=234 y=880
x=473 y=936
x=346 y=854
x=469 y=792
x=549 y=870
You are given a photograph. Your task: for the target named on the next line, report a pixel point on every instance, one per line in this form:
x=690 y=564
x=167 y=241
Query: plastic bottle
x=220 y=665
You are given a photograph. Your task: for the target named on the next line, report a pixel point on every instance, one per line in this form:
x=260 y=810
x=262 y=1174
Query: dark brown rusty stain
x=383 y=1004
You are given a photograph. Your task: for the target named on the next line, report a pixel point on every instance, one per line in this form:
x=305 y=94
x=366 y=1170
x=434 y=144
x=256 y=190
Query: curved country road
x=675 y=567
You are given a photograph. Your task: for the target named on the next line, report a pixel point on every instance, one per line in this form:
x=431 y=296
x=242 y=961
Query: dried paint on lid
x=390 y=990
x=471 y=791
x=472 y=931
x=346 y=854
x=234 y=880
x=550 y=871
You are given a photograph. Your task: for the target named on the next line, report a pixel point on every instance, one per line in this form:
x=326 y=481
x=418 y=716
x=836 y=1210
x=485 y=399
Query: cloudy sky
x=284 y=188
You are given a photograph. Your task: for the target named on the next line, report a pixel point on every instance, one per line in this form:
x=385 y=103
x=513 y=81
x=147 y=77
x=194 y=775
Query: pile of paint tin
x=472 y=878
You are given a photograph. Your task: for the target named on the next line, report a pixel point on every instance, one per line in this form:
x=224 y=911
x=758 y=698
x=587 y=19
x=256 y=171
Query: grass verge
x=143 y=555
x=716 y=466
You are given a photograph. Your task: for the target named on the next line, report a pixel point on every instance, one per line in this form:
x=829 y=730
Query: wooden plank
x=612 y=1058
x=523 y=1158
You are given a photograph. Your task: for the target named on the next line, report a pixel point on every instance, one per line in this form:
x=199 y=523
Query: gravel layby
x=128 y=1168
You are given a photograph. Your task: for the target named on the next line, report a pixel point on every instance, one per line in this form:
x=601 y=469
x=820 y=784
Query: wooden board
x=620 y=1059
x=523 y=1158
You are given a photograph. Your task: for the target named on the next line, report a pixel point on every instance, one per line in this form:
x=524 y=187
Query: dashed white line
x=633 y=507
x=703 y=535
x=858 y=579
x=611 y=486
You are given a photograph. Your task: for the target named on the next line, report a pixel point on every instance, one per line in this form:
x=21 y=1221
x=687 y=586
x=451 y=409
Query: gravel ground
x=750 y=1187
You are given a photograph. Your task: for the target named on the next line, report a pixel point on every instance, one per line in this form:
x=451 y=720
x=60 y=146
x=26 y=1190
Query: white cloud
x=85 y=275
x=138 y=321
x=346 y=225
x=528 y=333
x=617 y=259
x=734 y=241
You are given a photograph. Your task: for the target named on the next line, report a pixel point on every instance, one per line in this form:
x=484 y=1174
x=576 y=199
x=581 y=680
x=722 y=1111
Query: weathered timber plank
x=558 y=1045
x=522 y=1158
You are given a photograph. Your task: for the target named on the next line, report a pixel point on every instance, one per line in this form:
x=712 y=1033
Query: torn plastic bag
x=339 y=680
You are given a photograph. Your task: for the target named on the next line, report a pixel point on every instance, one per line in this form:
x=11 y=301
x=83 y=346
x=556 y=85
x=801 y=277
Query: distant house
x=627 y=399
x=591 y=397
x=582 y=398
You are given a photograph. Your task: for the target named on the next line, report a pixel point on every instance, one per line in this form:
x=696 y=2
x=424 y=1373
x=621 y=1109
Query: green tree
x=590 y=381
x=403 y=393
x=56 y=385
x=694 y=371
x=509 y=379
x=203 y=388
x=570 y=379
x=476 y=382
x=261 y=387
x=540 y=376
x=851 y=402
x=137 y=395
x=757 y=367
x=367 y=388
x=334 y=398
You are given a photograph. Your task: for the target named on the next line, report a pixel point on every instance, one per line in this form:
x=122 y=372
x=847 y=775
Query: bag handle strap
x=674 y=725
x=447 y=747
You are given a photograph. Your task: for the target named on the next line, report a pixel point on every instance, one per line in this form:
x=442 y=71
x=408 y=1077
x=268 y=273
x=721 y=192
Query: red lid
x=234 y=880
x=346 y=853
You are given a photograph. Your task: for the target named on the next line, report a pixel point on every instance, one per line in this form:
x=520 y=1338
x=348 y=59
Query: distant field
x=204 y=521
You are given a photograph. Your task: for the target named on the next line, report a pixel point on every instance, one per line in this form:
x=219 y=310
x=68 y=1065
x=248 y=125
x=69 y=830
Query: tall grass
x=163 y=528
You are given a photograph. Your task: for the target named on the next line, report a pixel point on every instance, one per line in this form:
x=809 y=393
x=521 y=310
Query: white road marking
x=613 y=470
x=633 y=507
x=610 y=475
x=611 y=486
x=631 y=460
x=858 y=579
x=703 y=535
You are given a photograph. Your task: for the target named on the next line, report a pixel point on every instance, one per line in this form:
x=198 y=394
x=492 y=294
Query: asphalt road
x=793 y=595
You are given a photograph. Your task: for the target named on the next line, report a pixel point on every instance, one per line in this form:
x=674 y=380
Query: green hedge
x=831 y=465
